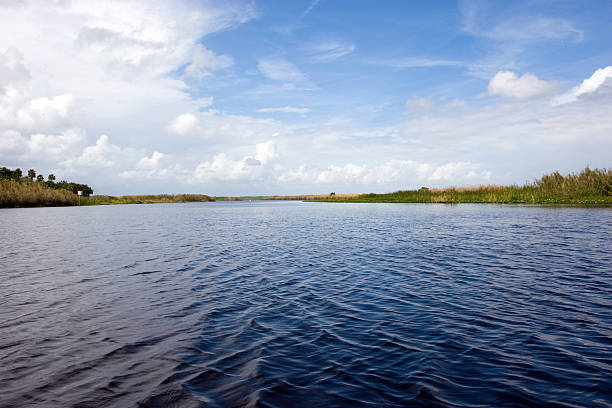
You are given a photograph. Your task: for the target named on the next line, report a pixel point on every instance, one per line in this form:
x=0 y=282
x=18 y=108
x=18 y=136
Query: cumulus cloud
x=399 y=172
x=108 y=68
x=99 y=155
x=265 y=152
x=223 y=168
x=153 y=168
x=588 y=86
x=148 y=163
x=186 y=124
x=53 y=144
x=285 y=109
x=38 y=146
x=508 y=84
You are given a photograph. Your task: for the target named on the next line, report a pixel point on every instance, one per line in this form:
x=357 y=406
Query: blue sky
x=277 y=97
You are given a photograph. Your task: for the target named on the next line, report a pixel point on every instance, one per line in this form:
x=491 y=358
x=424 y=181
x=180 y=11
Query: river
x=283 y=304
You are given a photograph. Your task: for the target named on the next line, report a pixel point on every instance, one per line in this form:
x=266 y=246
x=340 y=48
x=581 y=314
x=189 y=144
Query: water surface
x=281 y=304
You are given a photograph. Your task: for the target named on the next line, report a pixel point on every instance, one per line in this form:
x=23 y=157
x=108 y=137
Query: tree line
x=32 y=177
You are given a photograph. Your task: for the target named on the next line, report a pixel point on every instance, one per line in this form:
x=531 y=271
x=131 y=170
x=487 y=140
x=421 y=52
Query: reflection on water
x=276 y=304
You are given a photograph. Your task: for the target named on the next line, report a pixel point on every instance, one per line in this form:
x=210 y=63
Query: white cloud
x=426 y=105
x=12 y=68
x=588 y=86
x=280 y=70
x=312 y=5
x=265 y=152
x=54 y=145
x=38 y=146
x=533 y=29
x=186 y=124
x=99 y=155
x=459 y=171
x=416 y=62
x=349 y=173
x=213 y=125
x=204 y=62
x=285 y=109
x=328 y=50
x=397 y=172
x=521 y=29
x=508 y=84
x=108 y=68
x=149 y=163
x=152 y=168
x=249 y=168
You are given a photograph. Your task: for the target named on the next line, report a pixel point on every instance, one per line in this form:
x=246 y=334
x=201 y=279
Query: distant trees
x=8 y=174
x=74 y=187
x=17 y=175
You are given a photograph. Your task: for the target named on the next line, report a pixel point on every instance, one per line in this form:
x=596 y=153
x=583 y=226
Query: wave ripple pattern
x=282 y=304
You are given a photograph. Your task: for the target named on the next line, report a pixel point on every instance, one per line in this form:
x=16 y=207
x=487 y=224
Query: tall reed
x=33 y=194
x=586 y=187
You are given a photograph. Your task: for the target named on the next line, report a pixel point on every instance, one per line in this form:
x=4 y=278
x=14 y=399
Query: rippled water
x=282 y=304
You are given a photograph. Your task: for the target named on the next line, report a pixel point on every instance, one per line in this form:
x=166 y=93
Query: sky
x=313 y=96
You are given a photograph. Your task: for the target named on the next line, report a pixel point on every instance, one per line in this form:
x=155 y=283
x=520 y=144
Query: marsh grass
x=145 y=199
x=590 y=187
x=33 y=194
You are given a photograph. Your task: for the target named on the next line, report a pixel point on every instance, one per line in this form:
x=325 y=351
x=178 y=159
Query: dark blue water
x=284 y=304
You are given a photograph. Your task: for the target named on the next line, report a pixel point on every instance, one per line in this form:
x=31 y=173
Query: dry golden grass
x=469 y=188
x=592 y=187
x=33 y=194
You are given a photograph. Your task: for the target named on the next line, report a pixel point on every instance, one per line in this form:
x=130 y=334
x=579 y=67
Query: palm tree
x=40 y=178
x=31 y=174
x=51 y=177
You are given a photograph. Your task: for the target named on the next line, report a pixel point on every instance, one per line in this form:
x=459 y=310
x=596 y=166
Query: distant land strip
x=588 y=187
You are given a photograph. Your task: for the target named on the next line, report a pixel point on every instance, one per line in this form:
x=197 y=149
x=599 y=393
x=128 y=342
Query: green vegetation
x=145 y=199
x=589 y=187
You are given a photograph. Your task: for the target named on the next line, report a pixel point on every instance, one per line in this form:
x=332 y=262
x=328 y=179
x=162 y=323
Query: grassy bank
x=145 y=199
x=589 y=187
x=33 y=194
x=14 y=194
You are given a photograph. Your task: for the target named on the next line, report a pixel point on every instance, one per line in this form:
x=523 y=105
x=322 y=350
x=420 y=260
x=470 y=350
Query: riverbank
x=146 y=199
x=19 y=194
x=589 y=187
x=33 y=194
